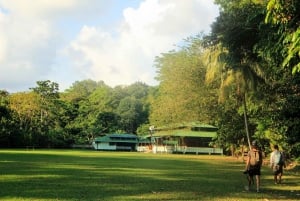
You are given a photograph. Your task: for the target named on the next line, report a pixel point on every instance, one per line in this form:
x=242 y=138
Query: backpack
x=255 y=158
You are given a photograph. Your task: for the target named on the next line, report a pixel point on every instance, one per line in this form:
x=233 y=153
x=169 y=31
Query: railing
x=127 y=148
x=198 y=150
x=185 y=149
x=143 y=149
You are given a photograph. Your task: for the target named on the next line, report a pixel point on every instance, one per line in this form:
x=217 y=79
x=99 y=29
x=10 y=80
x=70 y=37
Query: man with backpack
x=277 y=163
x=253 y=165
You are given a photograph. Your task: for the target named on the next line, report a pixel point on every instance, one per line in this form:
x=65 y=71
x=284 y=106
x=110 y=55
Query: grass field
x=69 y=175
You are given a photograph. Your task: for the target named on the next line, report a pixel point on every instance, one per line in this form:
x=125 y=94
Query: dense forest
x=243 y=77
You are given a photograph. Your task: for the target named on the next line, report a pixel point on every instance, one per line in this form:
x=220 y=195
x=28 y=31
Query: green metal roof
x=131 y=138
x=185 y=133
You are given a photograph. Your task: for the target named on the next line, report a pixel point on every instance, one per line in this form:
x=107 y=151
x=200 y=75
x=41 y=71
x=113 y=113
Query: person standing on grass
x=277 y=163
x=253 y=166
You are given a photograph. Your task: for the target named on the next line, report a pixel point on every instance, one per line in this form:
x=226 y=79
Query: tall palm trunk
x=246 y=120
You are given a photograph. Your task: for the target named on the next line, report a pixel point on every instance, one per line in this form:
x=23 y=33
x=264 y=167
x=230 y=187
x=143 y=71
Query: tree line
x=243 y=77
x=45 y=117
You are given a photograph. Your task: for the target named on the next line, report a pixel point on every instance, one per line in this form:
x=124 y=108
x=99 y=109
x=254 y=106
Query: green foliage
x=80 y=90
x=183 y=95
x=234 y=36
x=46 y=118
x=250 y=52
x=46 y=89
x=143 y=129
x=107 y=122
x=231 y=126
x=293 y=54
x=295 y=149
x=285 y=14
x=101 y=109
x=131 y=112
x=6 y=121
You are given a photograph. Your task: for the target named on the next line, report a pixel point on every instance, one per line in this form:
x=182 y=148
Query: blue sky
x=114 y=41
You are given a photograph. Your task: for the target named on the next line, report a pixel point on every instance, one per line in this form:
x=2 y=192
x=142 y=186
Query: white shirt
x=274 y=155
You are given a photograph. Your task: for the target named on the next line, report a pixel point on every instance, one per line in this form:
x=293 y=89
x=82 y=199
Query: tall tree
x=131 y=112
x=182 y=95
x=80 y=90
x=48 y=94
x=6 y=121
x=237 y=30
x=25 y=109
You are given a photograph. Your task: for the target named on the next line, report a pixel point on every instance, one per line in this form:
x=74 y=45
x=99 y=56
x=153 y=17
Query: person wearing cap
x=253 y=166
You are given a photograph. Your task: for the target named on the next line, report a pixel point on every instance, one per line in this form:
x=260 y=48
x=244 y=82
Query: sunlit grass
x=69 y=175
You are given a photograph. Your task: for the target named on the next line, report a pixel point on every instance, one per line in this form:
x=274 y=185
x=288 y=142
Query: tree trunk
x=246 y=120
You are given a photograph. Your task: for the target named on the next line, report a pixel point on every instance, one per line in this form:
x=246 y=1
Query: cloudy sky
x=115 y=41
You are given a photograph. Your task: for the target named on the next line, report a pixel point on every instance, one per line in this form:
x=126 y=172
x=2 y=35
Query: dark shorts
x=254 y=171
x=277 y=169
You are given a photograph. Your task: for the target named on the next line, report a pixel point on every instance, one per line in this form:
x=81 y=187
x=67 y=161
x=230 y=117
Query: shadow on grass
x=122 y=176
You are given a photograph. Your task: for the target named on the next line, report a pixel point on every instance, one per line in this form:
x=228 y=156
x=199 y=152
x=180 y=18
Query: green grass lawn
x=67 y=175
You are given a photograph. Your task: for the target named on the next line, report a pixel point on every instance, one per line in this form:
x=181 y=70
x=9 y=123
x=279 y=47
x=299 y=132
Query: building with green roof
x=116 y=142
x=188 y=138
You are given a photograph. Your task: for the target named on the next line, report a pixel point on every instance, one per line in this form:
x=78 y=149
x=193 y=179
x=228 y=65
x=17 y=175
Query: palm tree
x=232 y=42
x=240 y=79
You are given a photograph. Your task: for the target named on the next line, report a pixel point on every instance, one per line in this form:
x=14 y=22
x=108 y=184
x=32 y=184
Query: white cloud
x=66 y=41
x=153 y=28
x=27 y=49
x=30 y=39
